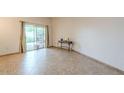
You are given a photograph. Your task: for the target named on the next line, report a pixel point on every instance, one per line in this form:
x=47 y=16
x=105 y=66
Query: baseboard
x=9 y=54
x=96 y=60
x=50 y=46
x=62 y=48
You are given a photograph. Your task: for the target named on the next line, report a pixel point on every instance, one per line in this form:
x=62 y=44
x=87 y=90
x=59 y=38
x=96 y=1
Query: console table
x=68 y=43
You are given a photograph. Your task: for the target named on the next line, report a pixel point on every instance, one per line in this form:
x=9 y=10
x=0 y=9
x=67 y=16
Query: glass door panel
x=35 y=37
x=30 y=37
x=40 y=37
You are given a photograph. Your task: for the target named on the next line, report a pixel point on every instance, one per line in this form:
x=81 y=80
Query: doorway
x=35 y=36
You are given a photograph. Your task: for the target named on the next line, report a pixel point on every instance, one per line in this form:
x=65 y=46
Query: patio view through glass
x=35 y=36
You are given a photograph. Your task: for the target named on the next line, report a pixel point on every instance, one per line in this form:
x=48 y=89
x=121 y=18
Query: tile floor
x=53 y=61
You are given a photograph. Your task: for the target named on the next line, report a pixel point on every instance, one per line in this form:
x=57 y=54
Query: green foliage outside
x=30 y=31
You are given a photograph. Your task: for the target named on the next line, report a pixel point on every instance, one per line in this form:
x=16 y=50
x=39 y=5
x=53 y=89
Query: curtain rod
x=32 y=23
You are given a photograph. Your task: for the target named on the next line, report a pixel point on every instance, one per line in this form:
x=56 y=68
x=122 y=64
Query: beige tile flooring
x=53 y=61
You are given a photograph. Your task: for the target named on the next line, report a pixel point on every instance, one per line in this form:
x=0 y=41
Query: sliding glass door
x=35 y=36
x=40 y=37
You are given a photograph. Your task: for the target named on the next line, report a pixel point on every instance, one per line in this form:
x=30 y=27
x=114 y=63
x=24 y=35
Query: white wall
x=10 y=32
x=99 y=38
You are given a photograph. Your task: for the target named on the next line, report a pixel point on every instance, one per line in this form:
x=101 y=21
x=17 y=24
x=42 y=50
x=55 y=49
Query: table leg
x=68 y=47
x=61 y=45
